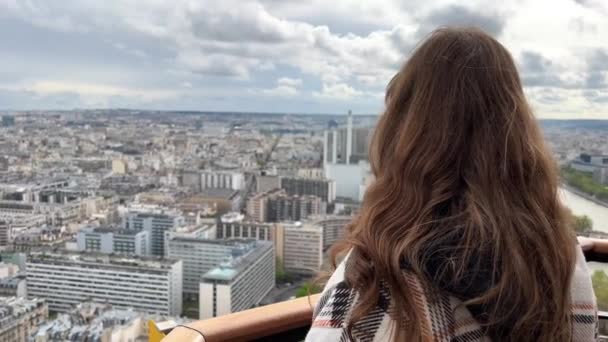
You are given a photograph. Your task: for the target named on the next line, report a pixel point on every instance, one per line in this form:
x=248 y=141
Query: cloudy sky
x=302 y=56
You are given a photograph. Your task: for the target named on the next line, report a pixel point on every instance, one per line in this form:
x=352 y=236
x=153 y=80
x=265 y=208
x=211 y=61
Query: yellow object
x=154 y=333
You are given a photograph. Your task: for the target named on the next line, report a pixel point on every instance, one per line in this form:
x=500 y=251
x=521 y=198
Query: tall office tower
x=156 y=223
x=222 y=180
x=239 y=283
x=323 y=188
x=333 y=227
x=300 y=247
x=114 y=240
x=200 y=255
x=66 y=279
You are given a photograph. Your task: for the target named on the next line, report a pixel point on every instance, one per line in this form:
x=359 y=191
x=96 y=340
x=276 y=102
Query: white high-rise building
x=239 y=283
x=66 y=279
x=199 y=255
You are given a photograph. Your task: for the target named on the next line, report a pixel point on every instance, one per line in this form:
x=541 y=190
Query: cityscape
x=132 y=216
x=167 y=165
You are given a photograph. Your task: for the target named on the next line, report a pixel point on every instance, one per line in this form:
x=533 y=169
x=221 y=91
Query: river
x=582 y=206
x=597 y=213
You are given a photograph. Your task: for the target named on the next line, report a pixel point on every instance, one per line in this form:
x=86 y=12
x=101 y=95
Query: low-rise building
x=20 y=316
x=233 y=226
x=90 y=321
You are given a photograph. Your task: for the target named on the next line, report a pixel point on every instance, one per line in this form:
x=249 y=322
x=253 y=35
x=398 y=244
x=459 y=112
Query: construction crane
x=262 y=162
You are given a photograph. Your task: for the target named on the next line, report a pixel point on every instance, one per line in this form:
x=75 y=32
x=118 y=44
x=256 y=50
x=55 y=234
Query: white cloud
x=286 y=87
x=352 y=48
x=338 y=91
x=216 y=64
x=289 y=82
x=50 y=87
x=281 y=90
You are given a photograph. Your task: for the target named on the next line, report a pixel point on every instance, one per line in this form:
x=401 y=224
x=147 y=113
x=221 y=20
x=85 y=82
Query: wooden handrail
x=249 y=324
x=594 y=249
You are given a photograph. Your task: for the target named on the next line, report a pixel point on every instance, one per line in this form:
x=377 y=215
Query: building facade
x=333 y=227
x=156 y=224
x=5 y=233
x=265 y=183
x=323 y=188
x=276 y=206
x=19 y=317
x=300 y=247
x=346 y=145
x=67 y=279
x=239 y=283
x=222 y=180
x=110 y=240
x=233 y=226
x=199 y=255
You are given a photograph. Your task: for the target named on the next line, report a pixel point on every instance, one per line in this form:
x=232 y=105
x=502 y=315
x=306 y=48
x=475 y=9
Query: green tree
x=600 y=286
x=307 y=289
x=280 y=275
x=584 y=182
x=583 y=224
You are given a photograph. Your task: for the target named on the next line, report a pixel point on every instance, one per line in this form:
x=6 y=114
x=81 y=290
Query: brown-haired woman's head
x=465 y=196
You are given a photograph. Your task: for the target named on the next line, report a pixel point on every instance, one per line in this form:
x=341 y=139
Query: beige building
x=333 y=227
x=19 y=317
x=300 y=247
x=119 y=166
x=233 y=226
x=276 y=206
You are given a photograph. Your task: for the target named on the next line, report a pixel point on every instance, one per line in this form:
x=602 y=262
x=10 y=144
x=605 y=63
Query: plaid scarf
x=445 y=320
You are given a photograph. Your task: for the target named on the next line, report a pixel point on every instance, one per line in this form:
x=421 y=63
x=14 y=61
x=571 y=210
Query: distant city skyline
x=282 y=56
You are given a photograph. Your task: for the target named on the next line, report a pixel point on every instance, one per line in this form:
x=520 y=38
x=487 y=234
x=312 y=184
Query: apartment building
x=322 y=188
x=239 y=283
x=156 y=223
x=200 y=255
x=108 y=239
x=20 y=316
x=66 y=279
x=300 y=247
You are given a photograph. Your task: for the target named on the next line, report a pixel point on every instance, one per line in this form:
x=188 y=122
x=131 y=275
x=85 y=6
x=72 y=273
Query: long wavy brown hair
x=465 y=196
